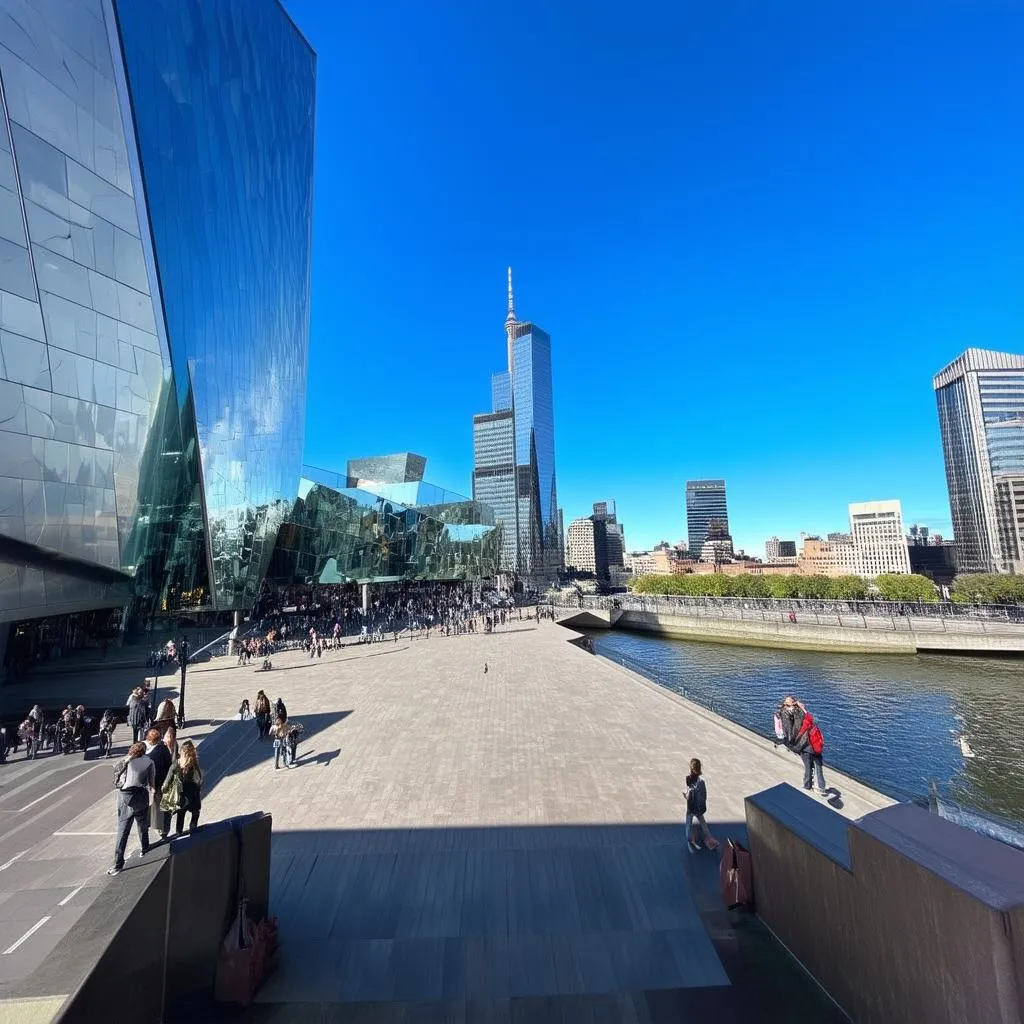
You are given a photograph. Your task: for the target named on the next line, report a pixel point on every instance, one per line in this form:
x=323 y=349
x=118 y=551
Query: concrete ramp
x=590 y=618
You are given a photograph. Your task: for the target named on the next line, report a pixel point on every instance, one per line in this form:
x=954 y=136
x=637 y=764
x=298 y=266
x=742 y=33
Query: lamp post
x=183 y=658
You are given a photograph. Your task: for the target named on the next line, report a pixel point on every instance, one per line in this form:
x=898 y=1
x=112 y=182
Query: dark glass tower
x=705 y=503
x=514 y=452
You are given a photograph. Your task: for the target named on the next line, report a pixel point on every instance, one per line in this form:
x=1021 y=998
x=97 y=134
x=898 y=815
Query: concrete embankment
x=902 y=635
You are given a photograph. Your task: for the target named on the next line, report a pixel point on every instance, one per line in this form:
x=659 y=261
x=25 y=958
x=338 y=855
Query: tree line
x=968 y=588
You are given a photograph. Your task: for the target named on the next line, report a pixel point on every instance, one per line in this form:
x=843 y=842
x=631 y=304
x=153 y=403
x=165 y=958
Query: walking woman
x=262 y=711
x=191 y=776
x=281 y=746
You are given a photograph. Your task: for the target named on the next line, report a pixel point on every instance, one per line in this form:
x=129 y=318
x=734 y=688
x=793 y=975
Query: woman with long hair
x=261 y=709
x=191 y=776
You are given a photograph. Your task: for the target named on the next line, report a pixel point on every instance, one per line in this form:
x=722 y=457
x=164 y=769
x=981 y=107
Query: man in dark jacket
x=157 y=752
x=791 y=715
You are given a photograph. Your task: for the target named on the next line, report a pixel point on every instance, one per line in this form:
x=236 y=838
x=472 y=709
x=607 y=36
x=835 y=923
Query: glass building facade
x=514 y=453
x=980 y=398
x=705 y=503
x=409 y=530
x=156 y=161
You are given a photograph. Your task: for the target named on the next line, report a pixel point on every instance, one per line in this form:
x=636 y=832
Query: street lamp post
x=183 y=657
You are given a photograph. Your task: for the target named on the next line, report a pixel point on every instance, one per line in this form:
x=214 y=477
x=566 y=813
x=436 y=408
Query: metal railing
x=889 y=615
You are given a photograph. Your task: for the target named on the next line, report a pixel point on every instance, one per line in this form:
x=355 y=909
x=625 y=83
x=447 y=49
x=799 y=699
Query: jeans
x=281 y=751
x=689 y=825
x=812 y=761
x=132 y=805
x=193 y=822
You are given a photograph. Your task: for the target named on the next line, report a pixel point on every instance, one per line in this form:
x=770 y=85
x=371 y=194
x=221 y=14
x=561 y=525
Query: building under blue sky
x=755 y=232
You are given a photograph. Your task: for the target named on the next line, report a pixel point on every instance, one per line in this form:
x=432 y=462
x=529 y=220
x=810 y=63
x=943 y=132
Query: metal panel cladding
x=222 y=96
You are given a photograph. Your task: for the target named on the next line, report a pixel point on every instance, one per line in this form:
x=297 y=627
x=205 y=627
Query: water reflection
x=894 y=722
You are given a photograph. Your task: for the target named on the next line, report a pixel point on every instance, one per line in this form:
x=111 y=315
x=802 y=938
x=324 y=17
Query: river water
x=893 y=722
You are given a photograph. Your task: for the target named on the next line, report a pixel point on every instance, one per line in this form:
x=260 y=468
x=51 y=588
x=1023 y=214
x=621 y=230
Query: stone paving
x=452 y=835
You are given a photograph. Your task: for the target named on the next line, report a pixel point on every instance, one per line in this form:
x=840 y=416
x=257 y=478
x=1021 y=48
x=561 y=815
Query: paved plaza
x=460 y=838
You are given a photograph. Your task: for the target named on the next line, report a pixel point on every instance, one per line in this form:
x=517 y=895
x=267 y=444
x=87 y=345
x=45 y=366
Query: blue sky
x=754 y=231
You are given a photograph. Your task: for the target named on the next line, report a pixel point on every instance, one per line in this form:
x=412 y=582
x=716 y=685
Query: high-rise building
x=518 y=480
x=980 y=398
x=705 y=501
x=878 y=538
x=156 y=189
x=606 y=512
x=587 y=546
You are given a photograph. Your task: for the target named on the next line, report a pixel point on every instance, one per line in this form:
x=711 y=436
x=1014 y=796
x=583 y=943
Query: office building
x=156 y=189
x=606 y=512
x=705 y=501
x=831 y=557
x=779 y=551
x=517 y=476
x=587 y=546
x=717 y=546
x=980 y=398
x=878 y=538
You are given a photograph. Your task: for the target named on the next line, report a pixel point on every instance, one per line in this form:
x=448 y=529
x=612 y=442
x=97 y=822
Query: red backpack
x=817 y=741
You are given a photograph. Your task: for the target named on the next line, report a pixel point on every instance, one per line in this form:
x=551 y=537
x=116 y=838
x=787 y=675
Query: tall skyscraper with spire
x=514 y=452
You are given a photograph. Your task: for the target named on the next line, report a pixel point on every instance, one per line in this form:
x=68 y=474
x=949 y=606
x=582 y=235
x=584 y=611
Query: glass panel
x=24 y=360
x=15 y=270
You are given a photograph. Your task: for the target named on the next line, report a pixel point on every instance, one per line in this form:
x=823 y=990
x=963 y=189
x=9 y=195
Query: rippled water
x=894 y=722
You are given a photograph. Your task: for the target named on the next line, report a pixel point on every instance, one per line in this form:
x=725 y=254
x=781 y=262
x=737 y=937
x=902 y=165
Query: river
x=893 y=722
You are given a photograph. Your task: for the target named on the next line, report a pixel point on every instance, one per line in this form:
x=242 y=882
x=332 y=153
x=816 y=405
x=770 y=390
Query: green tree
x=848 y=588
x=749 y=585
x=906 y=587
x=815 y=587
x=988 y=588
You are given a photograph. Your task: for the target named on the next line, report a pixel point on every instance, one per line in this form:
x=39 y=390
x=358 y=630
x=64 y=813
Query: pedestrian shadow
x=324 y=758
x=234 y=747
x=834 y=798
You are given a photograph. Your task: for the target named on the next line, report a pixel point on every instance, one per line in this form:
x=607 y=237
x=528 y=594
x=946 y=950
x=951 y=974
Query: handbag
x=736 y=876
x=171 y=798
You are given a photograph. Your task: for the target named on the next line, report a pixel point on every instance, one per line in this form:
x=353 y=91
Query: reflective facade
x=337 y=534
x=705 y=503
x=527 y=499
x=156 y=162
x=980 y=399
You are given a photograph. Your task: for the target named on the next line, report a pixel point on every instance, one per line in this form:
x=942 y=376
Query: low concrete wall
x=814 y=637
x=148 y=945
x=902 y=916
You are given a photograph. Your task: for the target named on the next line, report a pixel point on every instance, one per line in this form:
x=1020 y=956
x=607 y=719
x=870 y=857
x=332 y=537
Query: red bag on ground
x=736 y=876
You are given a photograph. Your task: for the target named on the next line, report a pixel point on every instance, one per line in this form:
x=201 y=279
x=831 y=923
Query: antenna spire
x=511 y=307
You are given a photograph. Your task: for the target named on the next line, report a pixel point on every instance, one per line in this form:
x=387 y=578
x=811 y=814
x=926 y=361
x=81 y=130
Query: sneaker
x=113 y=871
x=692 y=847
x=823 y=793
x=140 y=853
x=163 y=837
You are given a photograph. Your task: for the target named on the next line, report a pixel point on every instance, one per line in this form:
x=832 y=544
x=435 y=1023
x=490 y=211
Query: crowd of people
x=273 y=722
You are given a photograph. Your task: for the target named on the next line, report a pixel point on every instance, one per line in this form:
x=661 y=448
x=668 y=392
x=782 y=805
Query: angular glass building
x=156 y=185
x=514 y=453
x=403 y=529
x=980 y=398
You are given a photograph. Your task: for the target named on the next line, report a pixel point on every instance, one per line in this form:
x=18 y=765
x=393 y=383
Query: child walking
x=697 y=807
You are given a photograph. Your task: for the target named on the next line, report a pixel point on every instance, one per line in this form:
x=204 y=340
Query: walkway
x=456 y=844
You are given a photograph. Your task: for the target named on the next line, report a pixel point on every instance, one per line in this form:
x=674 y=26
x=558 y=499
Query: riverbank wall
x=907 y=635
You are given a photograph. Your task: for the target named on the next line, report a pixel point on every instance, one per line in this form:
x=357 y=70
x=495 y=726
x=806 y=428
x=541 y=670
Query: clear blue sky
x=754 y=231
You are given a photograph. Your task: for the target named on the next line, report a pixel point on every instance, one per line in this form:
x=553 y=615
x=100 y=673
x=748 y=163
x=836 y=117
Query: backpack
x=817 y=741
x=120 y=773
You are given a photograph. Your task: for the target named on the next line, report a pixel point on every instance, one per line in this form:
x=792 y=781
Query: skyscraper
x=980 y=398
x=587 y=549
x=705 y=501
x=878 y=538
x=156 y=164
x=606 y=512
x=514 y=452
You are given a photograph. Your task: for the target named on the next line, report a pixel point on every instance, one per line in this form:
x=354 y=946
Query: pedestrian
x=295 y=730
x=280 y=735
x=138 y=714
x=280 y=711
x=191 y=787
x=158 y=753
x=165 y=715
x=485 y=668
x=134 y=781
x=697 y=807
x=262 y=711
x=171 y=740
x=811 y=753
